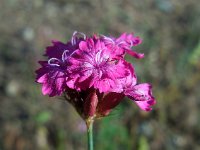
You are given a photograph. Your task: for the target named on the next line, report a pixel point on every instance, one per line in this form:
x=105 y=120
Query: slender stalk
x=90 y=134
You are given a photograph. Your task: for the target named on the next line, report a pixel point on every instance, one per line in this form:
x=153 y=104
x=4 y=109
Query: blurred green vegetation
x=170 y=30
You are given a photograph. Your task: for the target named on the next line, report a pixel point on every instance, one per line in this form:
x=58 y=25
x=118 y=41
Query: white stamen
x=73 y=40
x=84 y=36
x=122 y=42
x=98 y=56
x=100 y=73
x=131 y=43
x=64 y=55
x=108 y=38
x=72 y=53
x=53 y=64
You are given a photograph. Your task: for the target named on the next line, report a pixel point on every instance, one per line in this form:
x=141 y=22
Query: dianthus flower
x=93 y=75
x=53 y=75
x=93 y=65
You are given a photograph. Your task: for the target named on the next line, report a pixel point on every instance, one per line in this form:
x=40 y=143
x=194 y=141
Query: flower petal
x=142 y=95
x=56 y=50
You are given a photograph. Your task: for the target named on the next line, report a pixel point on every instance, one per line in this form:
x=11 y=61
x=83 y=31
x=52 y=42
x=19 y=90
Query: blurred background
x=170 y=30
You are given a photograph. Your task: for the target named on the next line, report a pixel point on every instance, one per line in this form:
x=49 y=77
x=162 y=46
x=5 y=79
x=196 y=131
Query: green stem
x=90 y=134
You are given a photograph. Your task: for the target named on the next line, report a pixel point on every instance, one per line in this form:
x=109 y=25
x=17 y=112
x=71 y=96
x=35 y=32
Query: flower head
x=94 y=66
x=92 y=74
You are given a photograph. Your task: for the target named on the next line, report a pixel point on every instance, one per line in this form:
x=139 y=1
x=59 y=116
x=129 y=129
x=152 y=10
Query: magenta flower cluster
x=94 y=63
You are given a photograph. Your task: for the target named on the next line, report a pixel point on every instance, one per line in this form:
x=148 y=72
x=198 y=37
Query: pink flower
x=94 y=67
x=123 y=44
x=92 y=73
x=141 y=94
x=53 y=75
